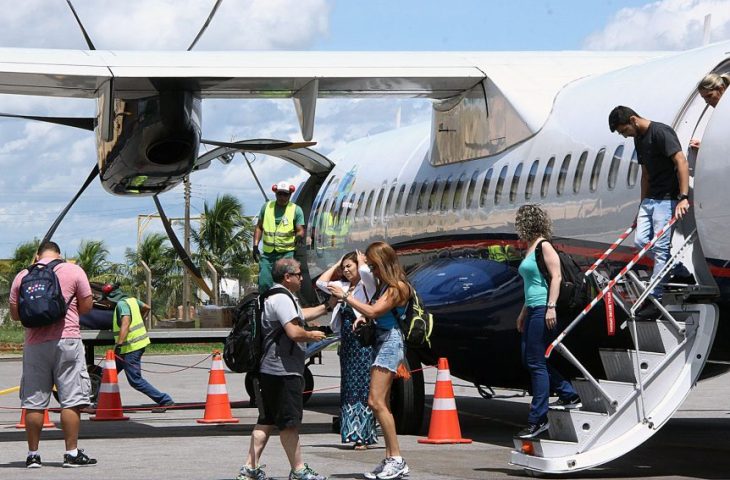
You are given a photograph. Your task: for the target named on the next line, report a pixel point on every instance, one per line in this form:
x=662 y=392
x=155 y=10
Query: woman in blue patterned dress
x=357 y=423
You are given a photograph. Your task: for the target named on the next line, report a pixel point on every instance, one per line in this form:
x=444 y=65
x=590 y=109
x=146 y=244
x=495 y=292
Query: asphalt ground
x=171 y=445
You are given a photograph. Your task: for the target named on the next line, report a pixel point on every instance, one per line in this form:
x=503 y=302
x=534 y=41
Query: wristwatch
x=551 y=305
x=682 y=196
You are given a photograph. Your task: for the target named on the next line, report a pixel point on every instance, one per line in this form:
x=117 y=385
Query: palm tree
x=224 y=238
x=92 y=257
x=24 y=255
x=156 y=252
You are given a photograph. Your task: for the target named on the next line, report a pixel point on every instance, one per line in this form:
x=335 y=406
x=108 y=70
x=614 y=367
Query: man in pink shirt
x=54 y=355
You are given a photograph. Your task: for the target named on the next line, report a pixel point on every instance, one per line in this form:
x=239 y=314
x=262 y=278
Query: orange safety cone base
x=222 y=420
x=444 y=441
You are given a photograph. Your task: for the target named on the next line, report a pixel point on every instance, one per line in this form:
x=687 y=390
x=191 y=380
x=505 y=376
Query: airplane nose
x=711 y=189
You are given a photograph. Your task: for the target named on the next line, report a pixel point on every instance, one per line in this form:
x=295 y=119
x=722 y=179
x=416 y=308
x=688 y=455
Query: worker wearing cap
x=281 y=227
x=130 y=340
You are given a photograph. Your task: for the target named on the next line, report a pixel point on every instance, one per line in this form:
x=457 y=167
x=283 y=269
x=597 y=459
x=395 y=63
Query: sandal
x=360 y=446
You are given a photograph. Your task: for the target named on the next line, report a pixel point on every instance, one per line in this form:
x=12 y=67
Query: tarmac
x=695 y=443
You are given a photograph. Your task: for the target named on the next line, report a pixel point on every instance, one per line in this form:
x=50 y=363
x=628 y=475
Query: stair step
x=592 y=399
x=574 y=425
x=660 y=336
x=544 y=447
x=619 y=364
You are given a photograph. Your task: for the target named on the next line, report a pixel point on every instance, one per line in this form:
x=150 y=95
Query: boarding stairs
x=643 y=385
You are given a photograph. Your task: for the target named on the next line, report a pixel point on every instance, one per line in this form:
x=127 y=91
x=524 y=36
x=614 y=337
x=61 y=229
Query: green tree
x=224 y=238
x=92 y=257
x=161 y=258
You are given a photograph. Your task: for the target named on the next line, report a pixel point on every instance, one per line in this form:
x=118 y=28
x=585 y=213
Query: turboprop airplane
x=506 y=128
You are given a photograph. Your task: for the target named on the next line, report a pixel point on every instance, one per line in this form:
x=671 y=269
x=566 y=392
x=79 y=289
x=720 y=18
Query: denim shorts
x=388 y=350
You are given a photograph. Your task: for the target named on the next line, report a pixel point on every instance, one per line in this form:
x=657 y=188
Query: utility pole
x=186 y=234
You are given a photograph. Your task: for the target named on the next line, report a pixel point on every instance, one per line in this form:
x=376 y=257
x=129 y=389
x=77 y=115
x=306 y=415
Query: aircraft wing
x=528 y=80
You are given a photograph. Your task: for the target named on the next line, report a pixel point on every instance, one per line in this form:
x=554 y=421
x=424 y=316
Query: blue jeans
x=653 y=216
x=544 y=377
x=132 y=366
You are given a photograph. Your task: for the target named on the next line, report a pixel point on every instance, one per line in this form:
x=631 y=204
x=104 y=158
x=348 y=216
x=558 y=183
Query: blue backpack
x=40 y=299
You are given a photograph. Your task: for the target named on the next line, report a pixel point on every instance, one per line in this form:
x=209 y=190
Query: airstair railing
x=610 y=249
x=608 y=287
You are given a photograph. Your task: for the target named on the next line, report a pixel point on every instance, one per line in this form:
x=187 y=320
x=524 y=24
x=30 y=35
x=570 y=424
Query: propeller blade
x=92 y=175
x=260 y=145
x=84 y=123
x=205 y=25
x=187 y=261
x=81 y=26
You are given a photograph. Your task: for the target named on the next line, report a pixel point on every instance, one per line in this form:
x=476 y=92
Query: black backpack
x=40 y=299
x=575 y=290
x=243 y=347
x=416 y=322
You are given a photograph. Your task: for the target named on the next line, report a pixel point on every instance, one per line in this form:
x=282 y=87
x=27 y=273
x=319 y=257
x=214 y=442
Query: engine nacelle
x=154 y=143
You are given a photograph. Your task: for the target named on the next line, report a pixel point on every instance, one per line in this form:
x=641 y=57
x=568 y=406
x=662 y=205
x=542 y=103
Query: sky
x=43 y=165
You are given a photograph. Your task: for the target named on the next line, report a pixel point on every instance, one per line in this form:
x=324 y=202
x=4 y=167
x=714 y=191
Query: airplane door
x=712 y=184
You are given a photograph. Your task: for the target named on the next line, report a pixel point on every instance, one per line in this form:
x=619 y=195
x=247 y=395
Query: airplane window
x=578 y=178
x=433 y=198
x=422 y=198
x=563 y=174
x=447 y=193
x=459 y=192
x=615 y=163
x=324 y=221
x=471 y=188
x=515 y=182
x=596 y=172
x=531 y=179
x=398 y=205
x=351 y=209
x=378 y=204
x=412 y=197
x=485 y=188
x=360 y=205
x=500 y=185
x=389 y=205
x=633 y=171
x=546 y=177
x=366 y=212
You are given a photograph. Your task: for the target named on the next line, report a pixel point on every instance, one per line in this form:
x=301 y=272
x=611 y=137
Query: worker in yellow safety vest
x=281 y=227
x=130 y=340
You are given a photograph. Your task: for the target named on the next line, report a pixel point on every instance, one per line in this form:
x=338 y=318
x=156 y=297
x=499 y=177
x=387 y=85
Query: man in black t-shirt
x=664 y=180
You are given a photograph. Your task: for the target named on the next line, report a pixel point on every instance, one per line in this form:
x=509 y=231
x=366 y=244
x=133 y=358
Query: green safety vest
x=279 y=238
x=137 y=337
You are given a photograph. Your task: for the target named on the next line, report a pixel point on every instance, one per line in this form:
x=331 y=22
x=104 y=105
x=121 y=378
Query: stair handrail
x=610 y=249
x=608 y=287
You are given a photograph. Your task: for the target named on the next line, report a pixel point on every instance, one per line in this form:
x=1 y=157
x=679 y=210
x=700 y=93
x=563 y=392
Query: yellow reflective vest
x=137 y=336
x=279 y=238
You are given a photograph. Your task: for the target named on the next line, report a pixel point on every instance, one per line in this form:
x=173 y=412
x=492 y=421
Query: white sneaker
x=393 y=469
x=374 y=474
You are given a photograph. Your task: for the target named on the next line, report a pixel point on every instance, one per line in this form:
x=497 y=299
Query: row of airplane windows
x=455 y=194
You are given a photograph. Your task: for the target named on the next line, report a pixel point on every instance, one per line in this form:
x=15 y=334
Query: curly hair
x=532 y=222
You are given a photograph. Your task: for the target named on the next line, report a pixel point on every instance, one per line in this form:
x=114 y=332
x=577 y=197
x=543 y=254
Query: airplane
x=507 y=128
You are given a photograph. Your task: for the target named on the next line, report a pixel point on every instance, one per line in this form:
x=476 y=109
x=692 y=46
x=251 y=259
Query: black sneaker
x=561 y=404
x=80 y=460
x=533 y=429
x=33 y=461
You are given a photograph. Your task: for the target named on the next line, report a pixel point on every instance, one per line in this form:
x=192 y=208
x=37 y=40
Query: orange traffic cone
x=47 y=423
x=109 y=406
x=217 y=405
x=444 y=426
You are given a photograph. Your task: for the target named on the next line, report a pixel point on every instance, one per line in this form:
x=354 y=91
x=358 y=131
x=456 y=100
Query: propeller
x=81 y=26
x=205 y=25
x=260 y=145
x=84 y=123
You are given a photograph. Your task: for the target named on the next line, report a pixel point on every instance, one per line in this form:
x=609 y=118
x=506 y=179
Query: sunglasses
x=283 y=194
x=298 y=274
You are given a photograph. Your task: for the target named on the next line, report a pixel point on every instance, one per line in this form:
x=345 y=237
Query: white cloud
x=663 y=25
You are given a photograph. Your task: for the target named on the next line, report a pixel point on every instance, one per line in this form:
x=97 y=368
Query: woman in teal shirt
x=537 y=320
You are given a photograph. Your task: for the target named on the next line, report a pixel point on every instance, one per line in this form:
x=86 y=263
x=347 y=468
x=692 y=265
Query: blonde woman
x=711 y=88
x=392 y=292
x=538 y=319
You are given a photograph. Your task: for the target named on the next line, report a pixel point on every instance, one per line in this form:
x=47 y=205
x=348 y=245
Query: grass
x=12 y=335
